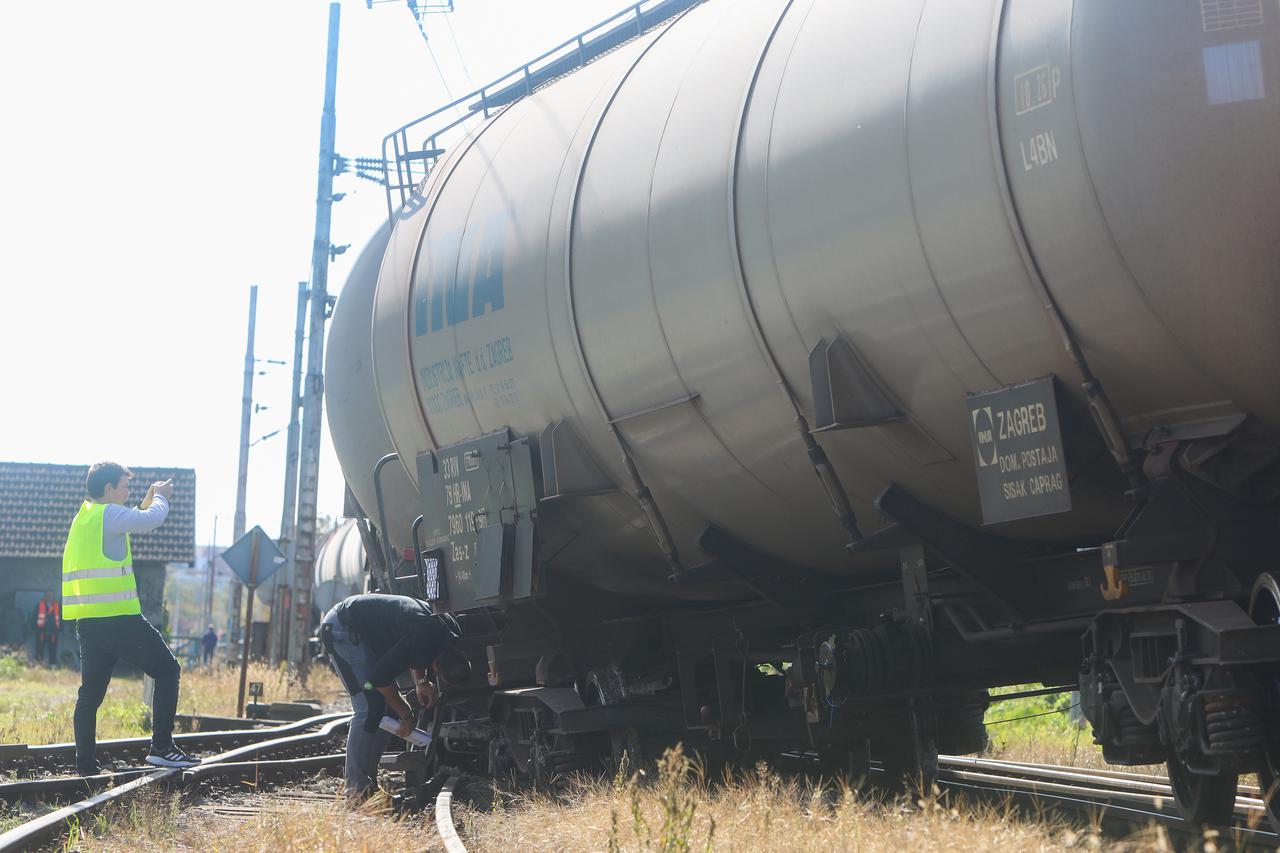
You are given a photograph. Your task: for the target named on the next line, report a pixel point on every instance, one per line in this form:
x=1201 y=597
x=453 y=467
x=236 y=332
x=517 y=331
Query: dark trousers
x=353 y=662
x=102 y=643
x=47 y=647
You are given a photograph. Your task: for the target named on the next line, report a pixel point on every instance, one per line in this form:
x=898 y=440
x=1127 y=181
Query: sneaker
x=170 y=756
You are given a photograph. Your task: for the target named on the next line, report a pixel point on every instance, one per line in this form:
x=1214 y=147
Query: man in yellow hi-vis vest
x=99 y=592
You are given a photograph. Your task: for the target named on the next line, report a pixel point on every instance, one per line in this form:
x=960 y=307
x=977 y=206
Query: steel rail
x=331 y=761
x=1134 y=803
x=1116 y=818
x=1120 y=798
x=1102 y=795
x=16 y=754
x=27 y=835
x=59 y=787
x=324 y=733
x=1249 y=795
x=1249 y=790
x=24 y=789
x=444 y=818
x=974 y=761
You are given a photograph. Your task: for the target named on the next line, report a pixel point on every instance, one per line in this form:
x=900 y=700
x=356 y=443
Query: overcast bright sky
x=160 y=157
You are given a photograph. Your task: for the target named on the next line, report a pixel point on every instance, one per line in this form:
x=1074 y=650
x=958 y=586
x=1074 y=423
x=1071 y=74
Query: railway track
x=444 y=817
x=285 y=749
x=1122 y=801
x=19 y=759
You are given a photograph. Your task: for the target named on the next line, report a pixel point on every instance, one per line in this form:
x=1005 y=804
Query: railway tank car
x=903 y=346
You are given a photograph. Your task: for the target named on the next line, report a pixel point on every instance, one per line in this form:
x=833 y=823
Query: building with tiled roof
x=37 y=503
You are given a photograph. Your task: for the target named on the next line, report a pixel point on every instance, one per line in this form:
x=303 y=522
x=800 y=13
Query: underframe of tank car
x=1169 y=631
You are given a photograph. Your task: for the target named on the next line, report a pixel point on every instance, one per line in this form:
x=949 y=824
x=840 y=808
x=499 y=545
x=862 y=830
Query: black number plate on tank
x=1017 y=448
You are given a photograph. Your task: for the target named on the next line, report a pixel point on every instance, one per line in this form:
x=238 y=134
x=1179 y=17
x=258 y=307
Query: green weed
x=678 y=800
x=12 y=665
x=1038 y=728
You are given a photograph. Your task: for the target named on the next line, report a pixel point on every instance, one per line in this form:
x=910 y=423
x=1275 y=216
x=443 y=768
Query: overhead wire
x=461 y=60
x=1030 y=716
x=436 y=62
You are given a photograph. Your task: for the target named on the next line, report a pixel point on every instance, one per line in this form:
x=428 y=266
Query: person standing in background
x=47 y=620
x=208 y=643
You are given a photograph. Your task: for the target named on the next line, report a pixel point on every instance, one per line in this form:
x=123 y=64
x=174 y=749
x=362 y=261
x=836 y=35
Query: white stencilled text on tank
x=1217 y=15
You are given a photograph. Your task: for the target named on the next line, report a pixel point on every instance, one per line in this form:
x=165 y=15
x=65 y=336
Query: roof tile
x=38 y=501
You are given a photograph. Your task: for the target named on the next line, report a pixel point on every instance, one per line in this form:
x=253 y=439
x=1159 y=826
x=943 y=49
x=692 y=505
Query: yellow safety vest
x=93 y=584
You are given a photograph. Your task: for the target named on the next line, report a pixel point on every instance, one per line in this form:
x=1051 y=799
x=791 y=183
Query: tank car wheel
x=912 y=766
x=499 y=763
x=1264 y=607
x=1202 y=798
x=852 y=765
x=541 y=766
x=620 y=749
x=626 y=750
x=910 y=755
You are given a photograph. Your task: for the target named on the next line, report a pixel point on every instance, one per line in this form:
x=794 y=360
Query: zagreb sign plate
x=1017 y=448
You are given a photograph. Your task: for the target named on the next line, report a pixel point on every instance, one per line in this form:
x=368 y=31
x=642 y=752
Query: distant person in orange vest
x=48 y=622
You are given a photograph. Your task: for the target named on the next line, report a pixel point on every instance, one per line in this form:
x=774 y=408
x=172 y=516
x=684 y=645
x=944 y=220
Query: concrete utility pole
x=288 y=542
x=309 y=461
x=206 y=614
x=242 y=482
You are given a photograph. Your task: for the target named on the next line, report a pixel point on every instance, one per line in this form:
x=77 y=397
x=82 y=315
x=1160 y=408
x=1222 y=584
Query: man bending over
x=370 y=640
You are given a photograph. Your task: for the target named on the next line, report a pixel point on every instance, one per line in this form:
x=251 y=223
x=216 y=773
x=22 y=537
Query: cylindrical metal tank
x=640 y=250
x=351 y=397
x=340 y=567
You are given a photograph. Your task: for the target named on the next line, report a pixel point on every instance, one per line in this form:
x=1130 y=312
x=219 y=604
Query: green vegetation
x=36 y=704
x=154 y=816
x=12 y=815
x=12 y=665
x=1040 y=729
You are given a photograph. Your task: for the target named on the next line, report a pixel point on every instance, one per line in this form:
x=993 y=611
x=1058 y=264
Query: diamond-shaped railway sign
x=240 y=557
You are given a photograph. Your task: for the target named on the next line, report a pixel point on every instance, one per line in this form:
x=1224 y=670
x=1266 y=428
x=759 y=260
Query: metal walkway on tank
x=405 y=165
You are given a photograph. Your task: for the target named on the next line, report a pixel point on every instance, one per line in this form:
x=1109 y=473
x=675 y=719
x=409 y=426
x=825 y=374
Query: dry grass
x=214 y=691
x=672 y=809
x=36 y=704
x=158 y=823
x=675 y=810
